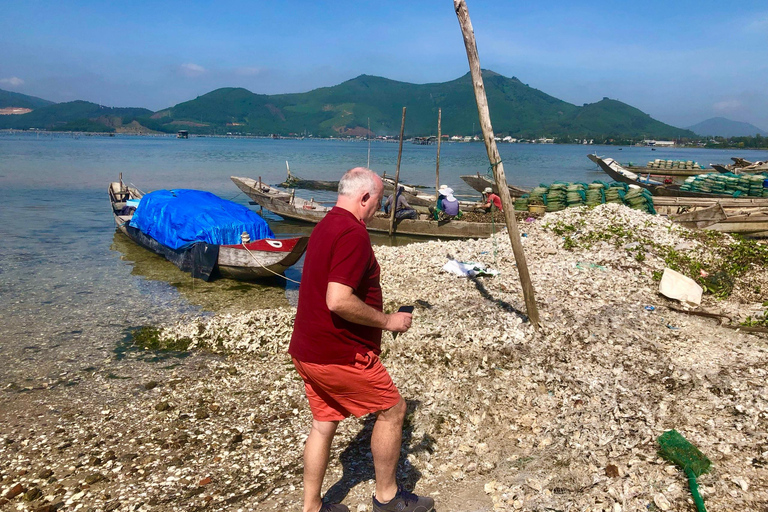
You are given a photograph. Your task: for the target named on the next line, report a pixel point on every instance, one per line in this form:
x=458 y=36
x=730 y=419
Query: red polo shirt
x=339 y=251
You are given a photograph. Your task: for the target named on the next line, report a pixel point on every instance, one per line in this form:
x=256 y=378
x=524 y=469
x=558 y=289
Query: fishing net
x=677 y=449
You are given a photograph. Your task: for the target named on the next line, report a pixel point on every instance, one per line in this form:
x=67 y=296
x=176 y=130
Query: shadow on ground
x=357 y=462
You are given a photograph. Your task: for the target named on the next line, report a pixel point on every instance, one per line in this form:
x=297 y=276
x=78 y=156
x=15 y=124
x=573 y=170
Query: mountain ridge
x=723 y=127
x=346 y=109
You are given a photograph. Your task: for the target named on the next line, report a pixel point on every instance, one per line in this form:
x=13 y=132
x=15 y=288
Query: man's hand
x=399 y=322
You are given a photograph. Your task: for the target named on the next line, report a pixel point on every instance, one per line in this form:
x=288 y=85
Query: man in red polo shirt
x=336 y=344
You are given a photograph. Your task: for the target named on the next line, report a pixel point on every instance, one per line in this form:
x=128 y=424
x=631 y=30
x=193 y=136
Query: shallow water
x=71 y=287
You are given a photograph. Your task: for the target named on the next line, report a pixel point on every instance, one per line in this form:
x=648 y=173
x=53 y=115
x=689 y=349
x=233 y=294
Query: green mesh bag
x=678 y=450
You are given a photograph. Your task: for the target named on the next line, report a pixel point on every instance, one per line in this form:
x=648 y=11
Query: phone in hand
x=402 y=309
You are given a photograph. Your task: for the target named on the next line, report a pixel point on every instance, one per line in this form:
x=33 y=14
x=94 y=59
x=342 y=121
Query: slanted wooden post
x=468 y=32
x=397 y=178
x=437 y=168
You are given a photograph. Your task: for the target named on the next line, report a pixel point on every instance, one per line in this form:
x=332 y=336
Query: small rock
x=151 y=385
x=205 y=481
x=611 y=471
x=162 y=406
x=237 y=438
x=46 y=473
x=232 y=370
x=741 y=483
x=14 y=491
x=661 y=501
x=112 y=505
x=201 y=414
x=93 y=478
x=32 y=494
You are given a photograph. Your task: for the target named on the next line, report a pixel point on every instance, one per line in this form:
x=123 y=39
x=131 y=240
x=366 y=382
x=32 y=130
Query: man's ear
x=366 y=197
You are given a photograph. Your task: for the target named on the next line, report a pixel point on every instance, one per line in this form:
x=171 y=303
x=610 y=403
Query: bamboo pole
x=494 y=157
x=437 y=168
x=397 y=178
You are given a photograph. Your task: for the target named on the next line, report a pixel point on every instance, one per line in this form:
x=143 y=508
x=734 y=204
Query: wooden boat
x=252 y=260
x=289 y=206
x=480 y=183
x=746 y=216
x=618 y=173
x=740 y=166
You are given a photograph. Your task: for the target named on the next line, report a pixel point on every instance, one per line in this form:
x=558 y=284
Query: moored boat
x=658 y=188
x=746 y=216
x=248 y=260
x=292 y=207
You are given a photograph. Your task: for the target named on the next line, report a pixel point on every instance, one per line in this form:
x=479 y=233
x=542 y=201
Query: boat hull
x=252 y=261
x=299 y=209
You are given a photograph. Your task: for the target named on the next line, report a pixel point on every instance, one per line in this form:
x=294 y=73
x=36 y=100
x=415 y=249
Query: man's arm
x=341 y=300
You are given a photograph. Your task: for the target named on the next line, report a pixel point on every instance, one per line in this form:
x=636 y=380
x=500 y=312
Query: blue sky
x=681 y=62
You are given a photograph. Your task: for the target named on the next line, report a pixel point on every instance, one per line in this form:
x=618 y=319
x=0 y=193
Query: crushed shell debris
x=500 y=416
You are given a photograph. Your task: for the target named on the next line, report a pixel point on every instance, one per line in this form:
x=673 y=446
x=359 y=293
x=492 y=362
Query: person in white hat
x=447 y=204
x=491 y=200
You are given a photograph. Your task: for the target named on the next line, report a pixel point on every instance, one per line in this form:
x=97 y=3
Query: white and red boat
x=248 y=260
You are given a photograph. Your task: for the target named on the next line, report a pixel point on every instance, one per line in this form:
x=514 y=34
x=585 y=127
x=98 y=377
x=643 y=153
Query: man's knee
x=395 y=413
x=325 y=428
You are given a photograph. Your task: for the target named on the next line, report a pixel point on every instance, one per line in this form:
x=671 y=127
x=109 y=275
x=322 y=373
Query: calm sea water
x=71 y=288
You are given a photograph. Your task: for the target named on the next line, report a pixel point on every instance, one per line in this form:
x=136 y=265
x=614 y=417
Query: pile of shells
x=501 y=416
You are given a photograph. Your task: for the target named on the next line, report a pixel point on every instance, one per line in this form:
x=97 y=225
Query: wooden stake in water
x=437 y=167
x=397 y=178
x=468 y=32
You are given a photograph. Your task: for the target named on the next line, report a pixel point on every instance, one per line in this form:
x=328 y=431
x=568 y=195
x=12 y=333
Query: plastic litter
x=675 y=285
x=468 y=269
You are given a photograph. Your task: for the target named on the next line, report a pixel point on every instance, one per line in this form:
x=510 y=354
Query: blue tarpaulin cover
x=179 y=218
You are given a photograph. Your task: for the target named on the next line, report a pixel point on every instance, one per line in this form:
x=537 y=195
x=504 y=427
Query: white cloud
x=727 y=105
x=190 y=69
x=13 y=81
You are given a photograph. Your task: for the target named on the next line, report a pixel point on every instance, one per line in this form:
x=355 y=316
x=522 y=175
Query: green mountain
x=347 y=108
x=74 y=115
x=722 y=127
x=15 y=99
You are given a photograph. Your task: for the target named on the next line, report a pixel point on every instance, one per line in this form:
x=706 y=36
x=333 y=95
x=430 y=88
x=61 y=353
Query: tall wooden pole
x=468 y=32
x=397 y=178
x=437 y=169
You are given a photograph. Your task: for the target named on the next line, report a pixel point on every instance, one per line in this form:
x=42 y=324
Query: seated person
x=491 y=200
x=447 y=205
x=403 y=210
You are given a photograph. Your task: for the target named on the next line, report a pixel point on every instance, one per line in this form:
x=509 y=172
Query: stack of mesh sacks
x=556 y=197
x=674 y=164
x=561 y=195
x=728 y=184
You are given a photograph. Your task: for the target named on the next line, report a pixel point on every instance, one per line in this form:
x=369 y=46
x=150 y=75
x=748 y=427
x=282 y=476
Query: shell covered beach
x=501 y=417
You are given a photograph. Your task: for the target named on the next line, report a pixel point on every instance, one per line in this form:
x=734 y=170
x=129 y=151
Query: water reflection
x=220 y=295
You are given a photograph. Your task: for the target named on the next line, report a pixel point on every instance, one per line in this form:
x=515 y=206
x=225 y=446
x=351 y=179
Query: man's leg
x=386 y=441
x=316 y=453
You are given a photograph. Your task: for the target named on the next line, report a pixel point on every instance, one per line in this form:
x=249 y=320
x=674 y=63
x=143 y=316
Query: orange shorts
x=336 y=391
